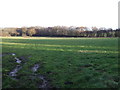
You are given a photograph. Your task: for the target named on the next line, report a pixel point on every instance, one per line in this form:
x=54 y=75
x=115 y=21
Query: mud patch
x=44 y=83
x=13 y=73
x=4 y=54
x=35 y=68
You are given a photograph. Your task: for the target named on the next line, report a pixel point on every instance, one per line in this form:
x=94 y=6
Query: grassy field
x=64 y=62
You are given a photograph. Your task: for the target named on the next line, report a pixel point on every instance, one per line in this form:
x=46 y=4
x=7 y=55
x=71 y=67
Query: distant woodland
x=60 y=31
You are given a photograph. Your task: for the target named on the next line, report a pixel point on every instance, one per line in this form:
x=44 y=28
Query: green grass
x=65 y=62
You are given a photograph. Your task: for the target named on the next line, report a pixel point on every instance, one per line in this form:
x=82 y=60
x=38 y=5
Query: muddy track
x=45 y=83
x=13 y=73
x=15 y=70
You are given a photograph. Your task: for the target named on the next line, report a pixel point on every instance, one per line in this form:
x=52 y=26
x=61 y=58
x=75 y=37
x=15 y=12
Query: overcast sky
x=18 y=13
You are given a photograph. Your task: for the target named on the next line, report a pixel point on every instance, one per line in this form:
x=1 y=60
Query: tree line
x=60 y=31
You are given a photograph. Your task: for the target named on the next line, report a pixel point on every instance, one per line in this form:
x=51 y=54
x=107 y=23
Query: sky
x=99 y=13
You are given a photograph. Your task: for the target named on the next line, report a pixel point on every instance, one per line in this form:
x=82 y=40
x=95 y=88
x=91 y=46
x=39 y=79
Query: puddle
x=17 y=60
x=14 y=72
x=13 y=54
x=35 y=68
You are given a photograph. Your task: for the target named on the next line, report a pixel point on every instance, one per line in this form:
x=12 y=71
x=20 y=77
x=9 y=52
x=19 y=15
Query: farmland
x=61 y=62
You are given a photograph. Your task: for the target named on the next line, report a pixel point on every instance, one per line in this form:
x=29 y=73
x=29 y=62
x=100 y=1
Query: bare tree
x=24 y=30
x=31 y=31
